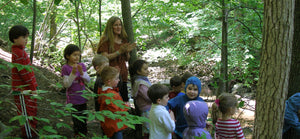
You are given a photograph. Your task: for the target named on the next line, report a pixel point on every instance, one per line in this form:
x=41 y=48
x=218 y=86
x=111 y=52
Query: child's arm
x=68 y=80
x=82 y=69
x=143 y=89
x=169 y=122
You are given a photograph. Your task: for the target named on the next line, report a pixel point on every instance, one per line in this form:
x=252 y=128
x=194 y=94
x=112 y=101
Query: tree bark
x=126 y=14
x=274 y=69
x=53 y=29
x=223 y=83
x=100 y=31
x=77 y=3
x=33 y=31
x=294 y=80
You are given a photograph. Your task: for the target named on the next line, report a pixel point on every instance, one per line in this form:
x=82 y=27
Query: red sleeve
x=26 y=76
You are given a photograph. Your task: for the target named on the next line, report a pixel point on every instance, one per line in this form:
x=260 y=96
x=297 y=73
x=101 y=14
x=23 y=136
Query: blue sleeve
x=172 y=103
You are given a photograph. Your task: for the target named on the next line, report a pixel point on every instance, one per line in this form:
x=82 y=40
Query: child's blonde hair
x=223 y=104
x=109 y=73
x=99 y=60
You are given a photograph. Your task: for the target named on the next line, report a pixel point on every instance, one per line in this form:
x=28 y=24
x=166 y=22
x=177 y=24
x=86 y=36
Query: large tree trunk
x=274 y=69
x=294 y=80
x=223 y=83
x=126 y=14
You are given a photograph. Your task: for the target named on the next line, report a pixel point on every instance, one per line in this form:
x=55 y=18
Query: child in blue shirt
x=192 y=91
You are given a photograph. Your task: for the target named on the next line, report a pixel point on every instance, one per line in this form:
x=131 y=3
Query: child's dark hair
x=157 y=91
x=223 y=105
x=175 y=81
x=108 y=73
x=185 y=76
x=71 y=48
x=135 y=67
x=17 y=31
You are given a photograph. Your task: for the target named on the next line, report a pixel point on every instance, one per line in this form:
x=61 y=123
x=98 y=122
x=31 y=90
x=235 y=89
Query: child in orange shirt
x=110 y=77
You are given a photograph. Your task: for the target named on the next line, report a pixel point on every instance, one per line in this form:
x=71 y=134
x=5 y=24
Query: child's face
x=177 y=88
x=114 y=82
x=74 y=57
x=192 y=91
x=163 y=101
x=144 y=70
x=22 y=40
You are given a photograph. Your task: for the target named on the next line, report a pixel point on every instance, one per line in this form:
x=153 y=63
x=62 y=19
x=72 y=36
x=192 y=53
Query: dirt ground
x=47 y=80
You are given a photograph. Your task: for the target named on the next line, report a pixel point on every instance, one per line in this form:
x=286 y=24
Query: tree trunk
x=100 y=31
x=126 y=14
x=274 y=69
x=77 y=3
x=53 y=29
x=223 y=83
x=294 y=80
x=295 y=66
x=33 y=31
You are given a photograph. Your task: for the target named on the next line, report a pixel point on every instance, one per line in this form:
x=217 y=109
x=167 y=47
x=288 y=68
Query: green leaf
x=59 y=125
x=56 y=2
x=50 y=129
x=43 y=119
x=241 y=104
x=107 y=101
x=24 y=2
x=91 y=117
x=100 y=117
x=80 y=118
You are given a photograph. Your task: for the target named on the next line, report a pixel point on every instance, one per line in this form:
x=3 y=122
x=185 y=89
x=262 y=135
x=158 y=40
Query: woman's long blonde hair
x=108 y=34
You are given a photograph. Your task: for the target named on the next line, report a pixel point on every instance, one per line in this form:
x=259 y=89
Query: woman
x=114 y=45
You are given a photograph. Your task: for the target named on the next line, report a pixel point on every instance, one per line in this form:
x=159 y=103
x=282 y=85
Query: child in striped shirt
x=23 y=81
x=226 y=127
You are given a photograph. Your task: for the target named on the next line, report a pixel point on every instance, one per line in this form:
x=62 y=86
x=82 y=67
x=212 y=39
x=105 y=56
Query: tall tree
x=33 y=30
x=77 y=3
x=126 y=14
x=274 y=69
x=223 y=84
x=294 y=80
x=295 y=66
x=53 y=29
x=100 y=3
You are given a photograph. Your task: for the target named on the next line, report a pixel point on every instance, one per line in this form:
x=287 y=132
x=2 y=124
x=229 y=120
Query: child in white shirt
x=162 y=123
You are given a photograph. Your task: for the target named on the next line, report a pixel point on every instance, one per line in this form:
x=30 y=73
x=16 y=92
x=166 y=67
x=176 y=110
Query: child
x=176 y=85
x=162 y=124
x=292 y=111
x=110 y=78
x=139 y=72
x=27 y=106
x=226 y=127
x=195 y=113
x=99 y=62
x=192 y=89
x=74 y=76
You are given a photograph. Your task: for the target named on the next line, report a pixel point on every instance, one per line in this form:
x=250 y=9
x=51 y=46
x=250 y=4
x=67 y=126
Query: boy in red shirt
x=23 y=81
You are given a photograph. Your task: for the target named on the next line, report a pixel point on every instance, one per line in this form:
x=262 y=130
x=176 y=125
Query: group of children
x=184 y=114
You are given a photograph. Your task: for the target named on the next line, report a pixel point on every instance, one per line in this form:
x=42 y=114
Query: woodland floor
x=47 y=81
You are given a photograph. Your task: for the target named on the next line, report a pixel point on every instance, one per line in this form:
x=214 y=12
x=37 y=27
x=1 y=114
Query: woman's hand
x=127 y=47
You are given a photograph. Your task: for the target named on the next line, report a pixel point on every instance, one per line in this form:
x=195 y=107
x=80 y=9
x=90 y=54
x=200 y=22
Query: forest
x=246 y=47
